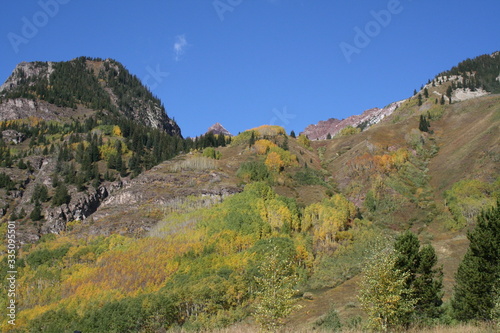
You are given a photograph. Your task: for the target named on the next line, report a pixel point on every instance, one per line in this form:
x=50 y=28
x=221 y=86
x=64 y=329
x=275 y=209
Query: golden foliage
x=117 y=131
x=269 y=130
x=274 y=162
x=262 y=146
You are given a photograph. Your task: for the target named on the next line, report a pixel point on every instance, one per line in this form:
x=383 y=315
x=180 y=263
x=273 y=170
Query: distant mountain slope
x=95 y=84
x=332 y=126
x=471 y=78
x=217 y=128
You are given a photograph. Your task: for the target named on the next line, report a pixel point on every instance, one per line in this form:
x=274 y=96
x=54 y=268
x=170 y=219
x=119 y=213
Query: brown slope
x=469 y=139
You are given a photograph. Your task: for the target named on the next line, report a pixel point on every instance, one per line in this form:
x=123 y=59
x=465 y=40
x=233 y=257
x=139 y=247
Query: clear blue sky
x=245 y=63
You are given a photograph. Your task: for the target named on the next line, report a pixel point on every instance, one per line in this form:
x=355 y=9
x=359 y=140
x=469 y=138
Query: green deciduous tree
x=384 y=293
x=275 y=290
x=479 y=272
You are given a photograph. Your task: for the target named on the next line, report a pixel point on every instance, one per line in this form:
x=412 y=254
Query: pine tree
x=329 y=136
x=423 y=124
x=428 y=285
x=292 y=134
x=251 y=142
x=40 y=193
x=479 y=270
x=61 y=196
x=424 y=280
x=36 y=213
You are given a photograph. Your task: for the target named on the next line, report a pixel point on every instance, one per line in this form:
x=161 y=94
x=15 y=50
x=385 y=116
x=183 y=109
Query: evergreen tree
x=479 y=270
x=251 y=142
x=40 y=193
x=221 y=140
x=36 y=213
x=449 y=92
x=292 y=134
x=426 y=93
x=419 y=100
x=428 y=285
x=61 y=196
x=329 y=136
x=423 y=124
x=424 y=280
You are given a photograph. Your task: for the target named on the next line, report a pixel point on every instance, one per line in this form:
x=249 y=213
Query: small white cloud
x=180 y=46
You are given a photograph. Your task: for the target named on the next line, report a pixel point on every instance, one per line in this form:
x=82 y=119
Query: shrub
x=253 y=171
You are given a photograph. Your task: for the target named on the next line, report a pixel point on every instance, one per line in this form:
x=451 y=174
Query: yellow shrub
x=274 y=162
x=262 y=146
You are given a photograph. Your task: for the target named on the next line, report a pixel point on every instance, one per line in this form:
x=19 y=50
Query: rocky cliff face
x=332 y=126
x=82 y=206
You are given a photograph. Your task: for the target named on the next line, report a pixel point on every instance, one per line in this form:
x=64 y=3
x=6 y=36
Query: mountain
x=471 y=78
x=55 y=90
x=217 y=128
x=332 y=126
x=124 y=227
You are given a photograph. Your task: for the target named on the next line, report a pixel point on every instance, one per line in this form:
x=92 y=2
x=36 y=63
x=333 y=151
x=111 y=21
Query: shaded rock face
x=81 y=206
x=14 y=137
x=332 y=126
x=217 y=128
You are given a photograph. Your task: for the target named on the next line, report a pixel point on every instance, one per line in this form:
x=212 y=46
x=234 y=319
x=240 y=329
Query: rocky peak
x=217 y=128
x=332 y=126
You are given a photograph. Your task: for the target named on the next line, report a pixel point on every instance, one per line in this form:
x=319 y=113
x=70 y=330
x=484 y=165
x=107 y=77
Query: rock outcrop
x=81 y=207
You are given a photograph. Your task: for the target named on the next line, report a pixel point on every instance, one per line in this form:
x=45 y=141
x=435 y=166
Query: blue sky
x=245 y=63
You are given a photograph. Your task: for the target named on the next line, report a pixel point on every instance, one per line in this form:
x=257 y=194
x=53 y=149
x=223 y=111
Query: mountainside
x=50 y=90
x=471 y=78
x=123 y=227
x=332 y=127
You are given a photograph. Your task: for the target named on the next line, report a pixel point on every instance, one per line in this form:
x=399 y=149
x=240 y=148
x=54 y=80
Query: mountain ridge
x=83 y=83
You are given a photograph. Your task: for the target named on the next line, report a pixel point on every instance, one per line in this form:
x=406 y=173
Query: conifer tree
x=251 y=142
x=478 y=274
x=424 y=279
x=36 y=213
x=292 y=134
x=61 y=196
x=424 y=124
